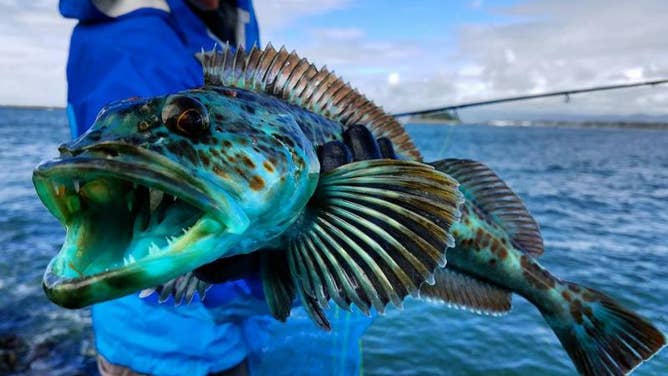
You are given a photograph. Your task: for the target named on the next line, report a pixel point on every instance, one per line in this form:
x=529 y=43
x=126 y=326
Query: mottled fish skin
x=600 y=336
x=253 y=140
x=485 y=250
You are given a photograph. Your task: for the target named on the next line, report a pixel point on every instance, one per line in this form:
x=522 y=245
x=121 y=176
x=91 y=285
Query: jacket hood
x=100 y=10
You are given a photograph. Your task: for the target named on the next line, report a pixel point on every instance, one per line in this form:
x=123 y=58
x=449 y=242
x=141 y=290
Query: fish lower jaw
x=181 y=255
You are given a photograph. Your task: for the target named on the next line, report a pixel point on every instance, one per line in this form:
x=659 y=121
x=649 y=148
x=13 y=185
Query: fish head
x=160 y=186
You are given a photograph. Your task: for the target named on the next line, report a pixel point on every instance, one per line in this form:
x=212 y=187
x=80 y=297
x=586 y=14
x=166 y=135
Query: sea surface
x=600 y=196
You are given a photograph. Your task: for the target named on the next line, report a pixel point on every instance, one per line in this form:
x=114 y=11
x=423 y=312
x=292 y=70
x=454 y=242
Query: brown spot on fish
x=503 y=253
x=566 y=295
x=479 y=234
x=588 y=296
x=256 y=183
x=228 y=93
x=574 y=288
x=493 y=247
x=205 y=158
x=268 y=166
x=487 y=239
x=220 y=172
x=576 y=311
x=227 y=144
x=588 y=312
x=247 y=161
x=535 y=275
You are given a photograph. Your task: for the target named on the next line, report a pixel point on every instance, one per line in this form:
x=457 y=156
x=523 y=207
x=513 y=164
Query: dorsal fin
x=483 y=187
x=284 y=75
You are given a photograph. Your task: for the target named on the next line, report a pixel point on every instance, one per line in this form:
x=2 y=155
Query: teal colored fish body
x=159 y=187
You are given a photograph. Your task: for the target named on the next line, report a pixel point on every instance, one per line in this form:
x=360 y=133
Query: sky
x=409 y=55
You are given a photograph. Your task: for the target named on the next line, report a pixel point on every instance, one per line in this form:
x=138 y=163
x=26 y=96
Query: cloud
x=274 y=15
x=547 y=45
x=561 y=45
x=35 y=41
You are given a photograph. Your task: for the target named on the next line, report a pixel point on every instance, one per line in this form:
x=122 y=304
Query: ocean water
x=600 y=195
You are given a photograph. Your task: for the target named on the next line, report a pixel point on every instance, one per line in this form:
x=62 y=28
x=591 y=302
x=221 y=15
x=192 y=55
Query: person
x=121 y=49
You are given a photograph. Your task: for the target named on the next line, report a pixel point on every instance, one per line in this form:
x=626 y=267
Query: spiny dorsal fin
x=463 y=291
x=483 y=187
x=374 y=231
x=284 y=75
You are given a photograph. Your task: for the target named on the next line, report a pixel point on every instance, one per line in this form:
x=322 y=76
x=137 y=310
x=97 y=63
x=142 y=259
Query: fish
x=160 y=187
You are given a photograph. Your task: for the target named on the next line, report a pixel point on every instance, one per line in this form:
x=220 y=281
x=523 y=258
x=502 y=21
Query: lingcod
x=161 y=186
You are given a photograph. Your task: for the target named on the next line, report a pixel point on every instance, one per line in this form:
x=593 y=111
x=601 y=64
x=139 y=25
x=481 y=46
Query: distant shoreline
x=494 y=123
x=552 y=124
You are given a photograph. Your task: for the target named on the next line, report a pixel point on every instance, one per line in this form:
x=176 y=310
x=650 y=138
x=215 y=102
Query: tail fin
x=600 y=336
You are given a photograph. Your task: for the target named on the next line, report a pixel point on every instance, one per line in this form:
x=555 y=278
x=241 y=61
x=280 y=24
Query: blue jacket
x=120 y=52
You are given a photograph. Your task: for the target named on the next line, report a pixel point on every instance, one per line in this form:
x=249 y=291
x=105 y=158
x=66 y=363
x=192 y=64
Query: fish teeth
x=129 y=259
x=153 y=249
x=155 y=197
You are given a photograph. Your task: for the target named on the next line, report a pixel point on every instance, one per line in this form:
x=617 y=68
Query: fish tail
x=600 y=336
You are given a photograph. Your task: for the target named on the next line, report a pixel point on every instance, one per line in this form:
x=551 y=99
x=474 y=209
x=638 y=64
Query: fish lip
x=137 y=164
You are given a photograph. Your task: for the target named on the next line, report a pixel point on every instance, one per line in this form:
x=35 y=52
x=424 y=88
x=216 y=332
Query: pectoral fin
x=373 y=233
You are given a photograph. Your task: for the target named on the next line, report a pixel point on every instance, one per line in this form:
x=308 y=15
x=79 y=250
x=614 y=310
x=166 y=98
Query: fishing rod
x=565 y=93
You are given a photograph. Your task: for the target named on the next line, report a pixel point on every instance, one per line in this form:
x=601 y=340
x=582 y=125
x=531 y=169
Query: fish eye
x=185 y=115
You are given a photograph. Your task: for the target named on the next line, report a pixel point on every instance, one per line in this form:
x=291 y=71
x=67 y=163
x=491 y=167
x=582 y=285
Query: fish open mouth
x=134 y=220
